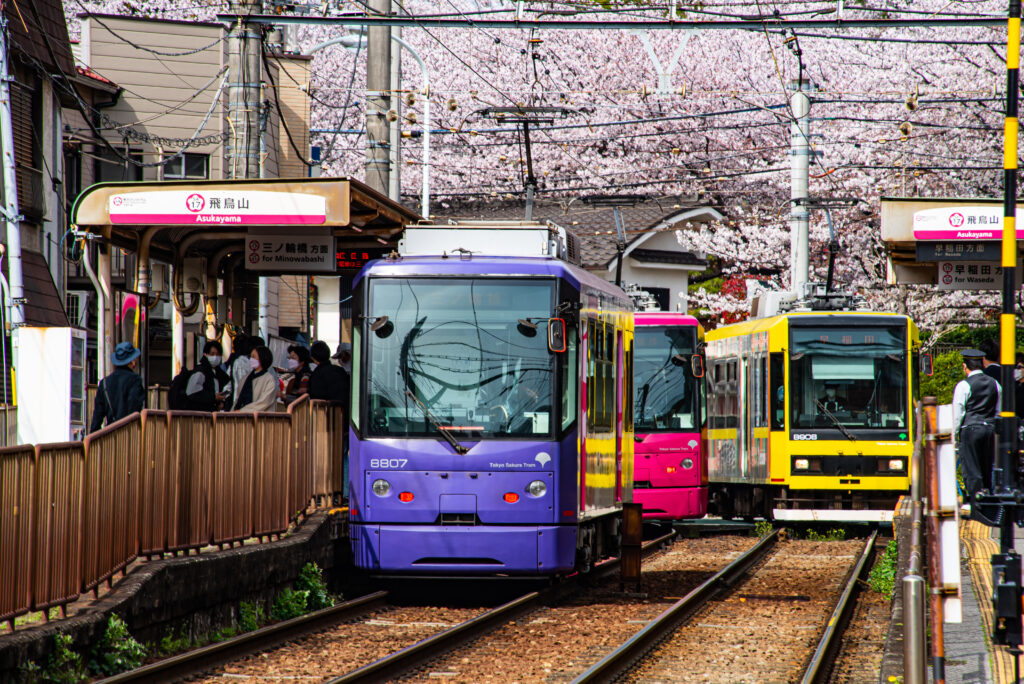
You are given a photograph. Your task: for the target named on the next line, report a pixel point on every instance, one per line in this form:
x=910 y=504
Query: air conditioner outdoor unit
x=193 y=275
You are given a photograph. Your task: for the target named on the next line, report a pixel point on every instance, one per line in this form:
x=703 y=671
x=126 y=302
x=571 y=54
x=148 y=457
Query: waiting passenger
x=259 y=391
x=206 y=385
x=121 y=393
x=298 y=365
x=237 y=366
x=328 y=381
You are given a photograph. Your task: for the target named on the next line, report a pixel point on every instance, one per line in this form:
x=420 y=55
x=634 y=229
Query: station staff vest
x=981 y=405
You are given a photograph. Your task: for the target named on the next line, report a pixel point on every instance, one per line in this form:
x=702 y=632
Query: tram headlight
x=537 y=488
x=896 y=464
x=381 y=487
x=687 y=463
x=801 y=464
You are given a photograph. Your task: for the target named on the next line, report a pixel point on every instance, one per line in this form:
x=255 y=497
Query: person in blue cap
x=121 y=393
x=975 y=407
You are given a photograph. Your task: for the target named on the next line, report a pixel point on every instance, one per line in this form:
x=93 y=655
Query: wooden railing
x=72 y=515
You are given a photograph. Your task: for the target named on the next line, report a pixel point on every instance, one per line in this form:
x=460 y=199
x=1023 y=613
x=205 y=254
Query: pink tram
x=670 y=412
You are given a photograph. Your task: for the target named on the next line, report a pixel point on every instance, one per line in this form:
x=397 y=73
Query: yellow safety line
x=980 y=545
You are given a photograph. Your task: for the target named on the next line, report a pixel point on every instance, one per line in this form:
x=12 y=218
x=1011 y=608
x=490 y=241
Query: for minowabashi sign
x=218 y=207
x=963 y=223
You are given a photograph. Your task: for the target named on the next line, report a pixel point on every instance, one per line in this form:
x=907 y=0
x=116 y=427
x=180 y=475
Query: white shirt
x=961 y=395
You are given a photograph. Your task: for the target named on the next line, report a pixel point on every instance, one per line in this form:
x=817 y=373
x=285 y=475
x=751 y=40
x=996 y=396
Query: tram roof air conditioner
x=491 y=238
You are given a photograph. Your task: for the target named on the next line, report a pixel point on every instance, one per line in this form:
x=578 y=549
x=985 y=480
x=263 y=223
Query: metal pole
x=1006 y=453
x=378 y=99
x=914 y=670
x=620 y=245
x=11 y=213
x=531 y=182
x=800 y=155
x=395 y=153
x=934 y=543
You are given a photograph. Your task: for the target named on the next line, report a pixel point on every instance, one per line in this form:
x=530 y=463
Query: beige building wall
x=159 y=95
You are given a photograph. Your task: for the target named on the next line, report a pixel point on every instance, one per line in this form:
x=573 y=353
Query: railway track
x=396 y=663
x=646 y=656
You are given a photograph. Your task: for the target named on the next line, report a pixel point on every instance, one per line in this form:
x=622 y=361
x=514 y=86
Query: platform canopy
x=173 y=217
x=953 y=243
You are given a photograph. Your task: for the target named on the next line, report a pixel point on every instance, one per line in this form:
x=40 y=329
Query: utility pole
x=800 y=155
x=378 y=100
x=395 y=153
x=245 y=42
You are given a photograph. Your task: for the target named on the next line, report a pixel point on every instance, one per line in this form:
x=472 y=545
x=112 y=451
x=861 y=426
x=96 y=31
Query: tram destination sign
x=959 y=251
x=290 y=252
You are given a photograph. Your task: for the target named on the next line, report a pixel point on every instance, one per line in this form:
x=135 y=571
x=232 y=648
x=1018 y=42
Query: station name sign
x=233 y=207
x=963 y=223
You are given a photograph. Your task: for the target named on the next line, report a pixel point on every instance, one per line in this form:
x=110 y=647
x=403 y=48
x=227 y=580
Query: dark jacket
x=214 y=380
x=120 y=394
x=329 y=382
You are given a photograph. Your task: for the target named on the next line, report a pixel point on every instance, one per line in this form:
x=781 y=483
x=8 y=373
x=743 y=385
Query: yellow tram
x=810 y=415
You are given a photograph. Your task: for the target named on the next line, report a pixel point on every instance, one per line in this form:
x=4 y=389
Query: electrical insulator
x=410 y=99
x=905 y=128
x=392 y=115
x=452 y=104
x=411 y=117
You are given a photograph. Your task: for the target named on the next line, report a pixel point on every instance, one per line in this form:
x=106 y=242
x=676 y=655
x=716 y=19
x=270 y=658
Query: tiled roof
x=594 y=225
x=31 y=36
x=43 y=304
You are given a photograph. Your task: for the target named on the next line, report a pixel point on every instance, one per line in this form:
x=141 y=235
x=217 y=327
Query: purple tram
x=491 y=430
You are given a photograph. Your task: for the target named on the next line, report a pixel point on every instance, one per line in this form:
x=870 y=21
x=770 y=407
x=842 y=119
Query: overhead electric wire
x=95 y=16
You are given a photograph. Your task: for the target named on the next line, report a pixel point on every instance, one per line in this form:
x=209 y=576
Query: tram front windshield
x=856 y=377
x=664 y=387
x=464 y=355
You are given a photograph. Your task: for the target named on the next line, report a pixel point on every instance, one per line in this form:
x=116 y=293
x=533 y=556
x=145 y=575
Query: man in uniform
x=976 y=401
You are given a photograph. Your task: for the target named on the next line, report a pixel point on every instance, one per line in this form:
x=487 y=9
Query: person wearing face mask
x=121 y=393
x=1018 y=385
x=206 y=385
x=299 y=366
x=259 y=391
x=830 y=401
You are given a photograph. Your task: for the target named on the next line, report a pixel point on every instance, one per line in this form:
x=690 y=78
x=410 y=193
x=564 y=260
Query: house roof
x=43 y=304
x=594 y=225
x=36 y=24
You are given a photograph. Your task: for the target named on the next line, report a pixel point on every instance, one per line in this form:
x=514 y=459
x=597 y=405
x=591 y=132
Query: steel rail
x=820 y=665
x=403 y=661
x=191 y=663
x=609 y=668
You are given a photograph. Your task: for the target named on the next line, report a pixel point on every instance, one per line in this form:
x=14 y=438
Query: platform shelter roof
x=211 y=215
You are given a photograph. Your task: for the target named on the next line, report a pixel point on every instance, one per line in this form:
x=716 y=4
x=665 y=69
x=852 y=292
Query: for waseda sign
x=218 y=207
x=963 y=223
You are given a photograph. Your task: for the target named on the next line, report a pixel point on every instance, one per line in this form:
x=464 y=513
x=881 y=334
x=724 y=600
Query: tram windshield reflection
x=664 y=387
x=854 y=376
x=457 y=345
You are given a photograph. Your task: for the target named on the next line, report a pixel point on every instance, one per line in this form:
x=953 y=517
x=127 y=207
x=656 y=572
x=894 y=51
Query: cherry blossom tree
x=894 y=112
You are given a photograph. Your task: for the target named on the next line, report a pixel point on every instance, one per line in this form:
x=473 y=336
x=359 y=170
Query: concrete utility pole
x=395 y=156
x=244 y=97
x=378 y=100
x=800 y=155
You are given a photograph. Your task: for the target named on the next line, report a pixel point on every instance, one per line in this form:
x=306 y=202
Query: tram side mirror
x=526 y=327
x=382 y=327
x=697 y=365
x=556 y=334
x=927 y=367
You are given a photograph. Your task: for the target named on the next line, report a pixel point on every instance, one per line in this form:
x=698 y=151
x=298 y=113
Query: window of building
x=188 y=166
x=111 y=168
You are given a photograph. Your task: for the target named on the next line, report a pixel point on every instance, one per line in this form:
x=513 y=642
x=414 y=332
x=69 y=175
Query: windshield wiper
x=459 y=449
x=835 y=421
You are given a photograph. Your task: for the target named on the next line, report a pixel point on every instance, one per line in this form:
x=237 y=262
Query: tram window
x=777 y=391
x=570 y=378
x=759 y=391
x=730 y=371
x=357 y=354
x=627 y=397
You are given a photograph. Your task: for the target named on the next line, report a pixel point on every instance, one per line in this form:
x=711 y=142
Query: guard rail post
x=632 y=545
x=933 y=538
x=914 y=669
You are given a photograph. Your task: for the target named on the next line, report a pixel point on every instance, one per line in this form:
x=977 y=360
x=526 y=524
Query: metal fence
x=74 y=514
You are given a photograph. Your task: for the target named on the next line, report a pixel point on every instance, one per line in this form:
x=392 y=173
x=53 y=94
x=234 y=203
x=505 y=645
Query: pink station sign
x=218 y=207
x=963 y=223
